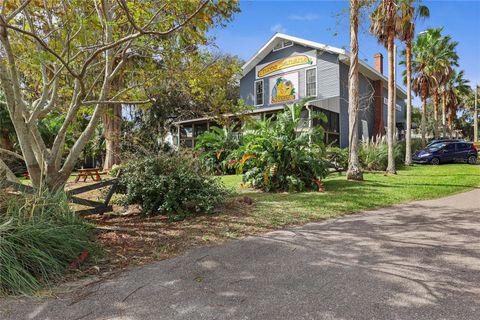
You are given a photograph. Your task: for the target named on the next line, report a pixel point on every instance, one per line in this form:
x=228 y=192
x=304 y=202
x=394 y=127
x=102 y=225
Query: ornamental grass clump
x=172 y=185
x=39 y=237
x=283 y=155
x=374 y=154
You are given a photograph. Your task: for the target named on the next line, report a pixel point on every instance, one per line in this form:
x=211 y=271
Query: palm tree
x=456 y=90
x=408 y=14
x=353 y=172
x=445 y=58
x=384 y=28
x=425 y=69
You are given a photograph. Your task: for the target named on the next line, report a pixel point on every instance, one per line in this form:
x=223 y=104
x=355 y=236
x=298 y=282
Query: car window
x=463 y=146
x=436 y=146
x=450 y=147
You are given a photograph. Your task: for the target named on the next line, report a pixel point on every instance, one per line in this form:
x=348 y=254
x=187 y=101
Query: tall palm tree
x=424 y=50
x=354 y=172
x=408 y=14
x=447 y=58
x=384 y=27
x=456 y=90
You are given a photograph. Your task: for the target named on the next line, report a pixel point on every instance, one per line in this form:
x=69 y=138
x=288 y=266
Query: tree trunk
x=444 y=113
x=451 y=114
x=354 y=172
x=435 y=114
x=408 y=132
x=391 y=104
x=112 y=123
x=424 y=121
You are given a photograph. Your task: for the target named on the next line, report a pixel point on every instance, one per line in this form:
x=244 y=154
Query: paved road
x=415 y=261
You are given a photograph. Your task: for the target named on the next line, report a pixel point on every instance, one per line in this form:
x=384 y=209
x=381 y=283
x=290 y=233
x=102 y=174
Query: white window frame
x=398 y=107
x=255 y=93
x=283 y=46
x=316 y=84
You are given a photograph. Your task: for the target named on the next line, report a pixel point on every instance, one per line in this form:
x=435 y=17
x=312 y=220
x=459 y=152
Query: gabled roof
x=344 y=56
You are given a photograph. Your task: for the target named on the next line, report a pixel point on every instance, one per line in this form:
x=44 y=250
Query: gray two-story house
x=287 y=69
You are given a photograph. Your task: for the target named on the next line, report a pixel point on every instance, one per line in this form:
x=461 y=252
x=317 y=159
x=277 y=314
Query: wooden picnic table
x=94 y=173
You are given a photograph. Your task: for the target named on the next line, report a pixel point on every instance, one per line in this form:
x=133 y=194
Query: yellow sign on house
x=286 y=64
x=284 y=88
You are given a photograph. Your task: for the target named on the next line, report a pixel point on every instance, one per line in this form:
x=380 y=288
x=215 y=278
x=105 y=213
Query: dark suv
x=447 y=152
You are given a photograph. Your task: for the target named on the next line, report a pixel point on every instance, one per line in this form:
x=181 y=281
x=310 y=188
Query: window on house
x=282 y=44
x=311 y=80
x=259 y=92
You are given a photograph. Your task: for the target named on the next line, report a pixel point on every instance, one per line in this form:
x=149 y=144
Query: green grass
x=342 y=196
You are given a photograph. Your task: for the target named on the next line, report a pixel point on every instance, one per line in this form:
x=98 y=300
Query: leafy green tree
x=63 y=56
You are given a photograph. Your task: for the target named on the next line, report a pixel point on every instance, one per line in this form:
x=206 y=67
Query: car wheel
x=435 y=161
x=472 y=160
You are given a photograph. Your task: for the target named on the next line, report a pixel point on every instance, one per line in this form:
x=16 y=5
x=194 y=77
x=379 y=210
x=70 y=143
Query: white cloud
x=278 y=28
x=304 y=17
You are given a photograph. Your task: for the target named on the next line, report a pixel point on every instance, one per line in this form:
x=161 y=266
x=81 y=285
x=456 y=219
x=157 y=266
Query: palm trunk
x=444 y=113
x=408 y=133
x=435 y=114
x=353 y=172
x=450 y=122
x=391 y=105
x=423 y=127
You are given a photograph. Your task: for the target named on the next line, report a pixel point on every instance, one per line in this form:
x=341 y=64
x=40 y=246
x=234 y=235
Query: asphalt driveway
x=414 y=261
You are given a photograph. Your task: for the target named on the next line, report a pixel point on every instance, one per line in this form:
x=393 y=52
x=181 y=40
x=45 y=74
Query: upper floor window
x=259 y=92
x=282 y=44
x=311 y=82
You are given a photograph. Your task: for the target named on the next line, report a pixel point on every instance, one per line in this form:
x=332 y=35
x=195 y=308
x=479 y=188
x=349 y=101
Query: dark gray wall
x=367 y=111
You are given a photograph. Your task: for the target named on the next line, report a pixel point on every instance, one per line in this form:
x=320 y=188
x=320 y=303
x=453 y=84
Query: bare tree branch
x=11 y=153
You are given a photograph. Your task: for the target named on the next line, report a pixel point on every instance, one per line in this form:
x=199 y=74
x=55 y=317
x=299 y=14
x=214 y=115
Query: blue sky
x=326 y=21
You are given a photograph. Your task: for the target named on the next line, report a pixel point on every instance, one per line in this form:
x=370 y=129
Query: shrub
x=374 y=154
x=279 y=158
x=39 y=237
x=170 y=185
x=216 y=146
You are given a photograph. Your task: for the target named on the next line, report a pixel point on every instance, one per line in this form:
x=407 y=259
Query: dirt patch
x=129 y=238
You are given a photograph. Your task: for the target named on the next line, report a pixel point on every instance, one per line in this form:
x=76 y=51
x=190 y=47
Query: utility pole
x=475 y=116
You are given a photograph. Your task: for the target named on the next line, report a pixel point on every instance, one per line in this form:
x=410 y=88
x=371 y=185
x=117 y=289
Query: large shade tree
x=384 y=26
x=409 y=11
x=59 y=55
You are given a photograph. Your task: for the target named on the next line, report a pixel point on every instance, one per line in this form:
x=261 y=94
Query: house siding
x=366 y=112
x=327 y=76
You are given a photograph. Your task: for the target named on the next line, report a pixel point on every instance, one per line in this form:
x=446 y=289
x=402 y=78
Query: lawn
x=377 y=190
x=131 y=239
